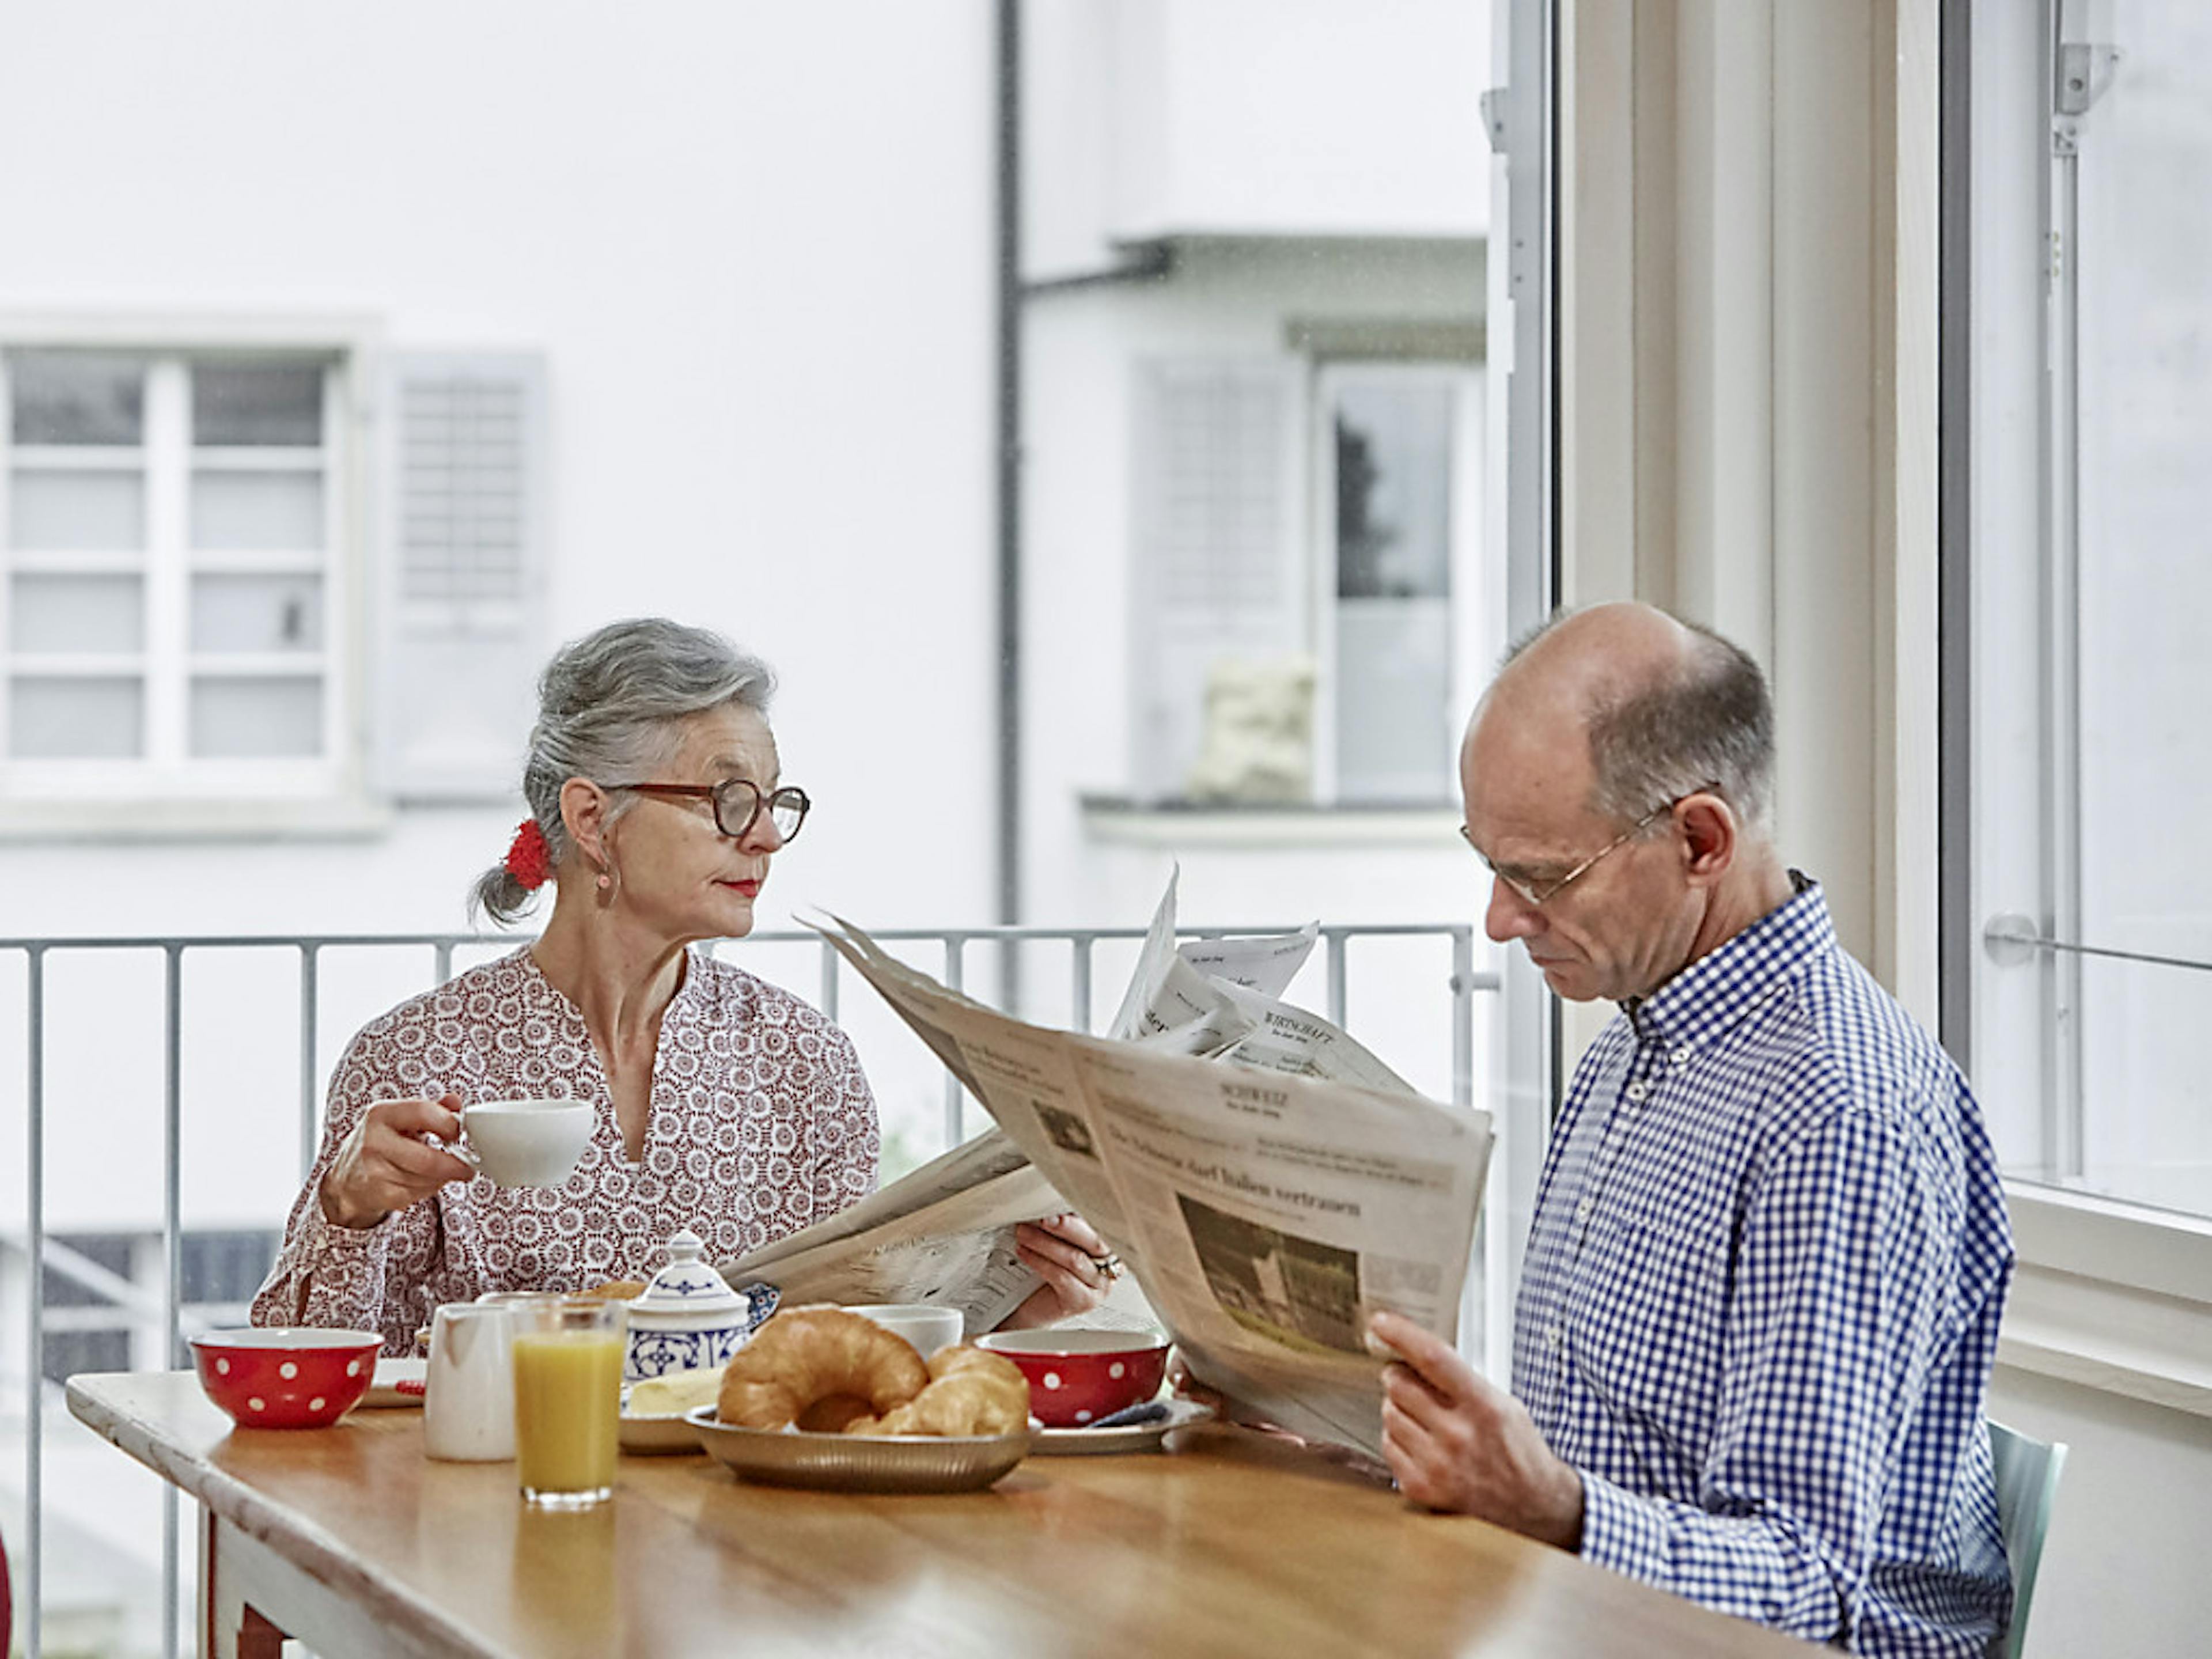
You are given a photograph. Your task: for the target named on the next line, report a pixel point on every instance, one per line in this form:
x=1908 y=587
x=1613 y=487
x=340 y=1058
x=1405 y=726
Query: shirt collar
x=1717 y=990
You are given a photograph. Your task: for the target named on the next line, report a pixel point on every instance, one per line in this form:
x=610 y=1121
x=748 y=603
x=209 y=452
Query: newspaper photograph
x=1265 y=1212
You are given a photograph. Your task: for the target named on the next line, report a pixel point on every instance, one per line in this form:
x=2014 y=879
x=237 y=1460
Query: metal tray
x=859 y=1463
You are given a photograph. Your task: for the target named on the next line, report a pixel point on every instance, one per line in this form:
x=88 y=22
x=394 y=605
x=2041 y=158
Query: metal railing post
x=1335 y=936
x=1463 y=990
x=173 y=1245
x=310 y=1019
x=1079 y=991
x=35 y=1383
x=956 y=948
x=828 y=980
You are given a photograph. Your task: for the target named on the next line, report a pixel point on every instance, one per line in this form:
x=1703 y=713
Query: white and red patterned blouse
x=762 y=1123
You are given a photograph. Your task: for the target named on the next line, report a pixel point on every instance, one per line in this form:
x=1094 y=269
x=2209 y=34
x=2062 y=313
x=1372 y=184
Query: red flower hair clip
x=529 y=859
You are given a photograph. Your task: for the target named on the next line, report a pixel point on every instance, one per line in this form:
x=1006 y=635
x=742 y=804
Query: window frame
x=167 y=792
x=2108 y=1293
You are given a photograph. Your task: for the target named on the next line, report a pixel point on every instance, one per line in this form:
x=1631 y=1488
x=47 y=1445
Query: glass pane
x=77 y=613
x=1394 y=721
x=257 y=613
x=256 y=403
x=74 y=720
x=257 y=512
x=257 y=717
x=2146 y=588
x=1393 y=491
x=76 y=398
x=2145 y=1134
x=76 y=512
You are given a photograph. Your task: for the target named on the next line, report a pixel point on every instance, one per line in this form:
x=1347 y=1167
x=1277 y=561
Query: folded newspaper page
x=1265 y=1213
x=1220 y=998
x=943 y=1233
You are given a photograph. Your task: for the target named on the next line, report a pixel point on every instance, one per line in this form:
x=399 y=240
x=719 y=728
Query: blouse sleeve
x=847 y=1137
x=370 y=1279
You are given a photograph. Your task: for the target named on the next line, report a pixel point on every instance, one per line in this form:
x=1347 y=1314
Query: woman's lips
x=749 y=889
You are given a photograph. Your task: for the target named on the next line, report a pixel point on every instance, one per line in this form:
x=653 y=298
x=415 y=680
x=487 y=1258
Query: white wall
x=1157 y=118
x=754 y=245
x=763 y=296
x=2124 y=1566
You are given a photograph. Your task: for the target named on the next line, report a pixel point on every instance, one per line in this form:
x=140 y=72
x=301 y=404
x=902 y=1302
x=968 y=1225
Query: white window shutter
x=1218 y=526
x=462 y=573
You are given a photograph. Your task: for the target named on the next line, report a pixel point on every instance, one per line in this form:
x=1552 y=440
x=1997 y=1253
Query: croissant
x=970 y=1392
x=819 y=1368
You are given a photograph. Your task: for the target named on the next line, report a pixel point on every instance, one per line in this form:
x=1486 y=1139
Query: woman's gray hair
x=611 y=707
x=1710 y=724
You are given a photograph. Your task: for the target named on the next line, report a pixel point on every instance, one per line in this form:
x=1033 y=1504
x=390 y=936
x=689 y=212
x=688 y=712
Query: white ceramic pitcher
x=468 y=1398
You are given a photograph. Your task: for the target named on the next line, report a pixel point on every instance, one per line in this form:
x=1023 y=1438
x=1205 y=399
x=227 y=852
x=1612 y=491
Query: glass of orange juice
x=567 y=1398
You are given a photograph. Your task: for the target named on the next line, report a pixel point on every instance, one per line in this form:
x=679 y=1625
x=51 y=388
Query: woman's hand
x=1067 y=1253
x=384 y=1164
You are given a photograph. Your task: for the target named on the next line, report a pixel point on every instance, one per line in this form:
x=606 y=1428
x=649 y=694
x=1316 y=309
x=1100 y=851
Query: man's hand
x=1456 y=1442
x=384 y=1164
x=1077 y=1270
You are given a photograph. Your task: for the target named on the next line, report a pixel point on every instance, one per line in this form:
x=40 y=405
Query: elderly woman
x=723 y=1104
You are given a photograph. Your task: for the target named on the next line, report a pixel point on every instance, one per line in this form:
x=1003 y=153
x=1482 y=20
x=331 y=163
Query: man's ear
x=1710 y=835
x=584 y=812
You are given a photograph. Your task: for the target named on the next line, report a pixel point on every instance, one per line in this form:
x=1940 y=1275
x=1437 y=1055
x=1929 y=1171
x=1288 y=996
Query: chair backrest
x=2027 y=1482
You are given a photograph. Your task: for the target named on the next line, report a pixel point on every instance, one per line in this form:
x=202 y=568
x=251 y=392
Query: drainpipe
x=1007 y=227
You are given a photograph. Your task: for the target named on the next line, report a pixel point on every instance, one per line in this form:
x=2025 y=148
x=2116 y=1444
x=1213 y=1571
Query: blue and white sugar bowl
x=689 y=1317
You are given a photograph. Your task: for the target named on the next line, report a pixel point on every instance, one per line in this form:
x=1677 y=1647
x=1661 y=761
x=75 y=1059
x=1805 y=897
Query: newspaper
x=943 y=1233
x=1265 y=1213
x=1220 y=998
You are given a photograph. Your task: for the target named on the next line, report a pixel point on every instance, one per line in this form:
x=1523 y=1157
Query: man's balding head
x=1659 y=707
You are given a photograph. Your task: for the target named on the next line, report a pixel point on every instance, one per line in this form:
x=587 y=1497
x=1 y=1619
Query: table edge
x=301 y=1542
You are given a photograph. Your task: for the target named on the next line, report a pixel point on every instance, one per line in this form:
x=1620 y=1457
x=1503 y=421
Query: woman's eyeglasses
x=738 y=803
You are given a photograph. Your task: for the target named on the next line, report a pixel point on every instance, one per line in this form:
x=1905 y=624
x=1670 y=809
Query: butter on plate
x=675 y=1394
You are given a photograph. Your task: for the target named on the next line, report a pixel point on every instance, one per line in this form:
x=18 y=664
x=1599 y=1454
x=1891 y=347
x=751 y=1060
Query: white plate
x=1131 y=1438
x=383 y=1387
x=657 y=1433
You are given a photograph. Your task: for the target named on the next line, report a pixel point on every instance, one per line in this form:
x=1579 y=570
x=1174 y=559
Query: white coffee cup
x=525 y=1143
x=925 y=1324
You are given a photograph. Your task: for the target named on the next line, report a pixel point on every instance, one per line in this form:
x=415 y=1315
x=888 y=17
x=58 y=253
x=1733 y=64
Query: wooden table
x=350 y=1539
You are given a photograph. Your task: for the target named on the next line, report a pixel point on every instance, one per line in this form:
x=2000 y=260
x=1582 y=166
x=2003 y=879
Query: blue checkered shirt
x=1761 y=1300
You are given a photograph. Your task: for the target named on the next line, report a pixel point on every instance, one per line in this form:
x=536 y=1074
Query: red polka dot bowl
x=1078 y=1375
x=286 y=1376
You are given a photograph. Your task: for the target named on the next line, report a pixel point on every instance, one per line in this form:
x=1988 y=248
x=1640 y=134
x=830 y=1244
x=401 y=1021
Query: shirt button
x=1557 y=1336
x=1637 y=1091
x=1680 y=1057
x=1582 y=1210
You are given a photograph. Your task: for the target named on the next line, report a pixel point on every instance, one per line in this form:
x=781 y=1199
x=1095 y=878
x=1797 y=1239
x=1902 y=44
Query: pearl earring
x=605 y=881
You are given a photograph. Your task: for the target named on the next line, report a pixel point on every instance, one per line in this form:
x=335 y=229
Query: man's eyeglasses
x=737 y=804
x=1536 y=894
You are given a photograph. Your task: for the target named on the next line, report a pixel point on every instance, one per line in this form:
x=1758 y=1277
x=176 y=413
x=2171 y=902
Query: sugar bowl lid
x=687 y=1288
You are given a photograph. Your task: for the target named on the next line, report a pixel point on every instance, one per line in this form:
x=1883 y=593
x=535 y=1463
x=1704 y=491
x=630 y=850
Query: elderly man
x=1770 y=1248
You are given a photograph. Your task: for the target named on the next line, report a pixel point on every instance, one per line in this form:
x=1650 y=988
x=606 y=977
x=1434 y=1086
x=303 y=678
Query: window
x=2083 y=912
x=176 y=607
x=1301 y=637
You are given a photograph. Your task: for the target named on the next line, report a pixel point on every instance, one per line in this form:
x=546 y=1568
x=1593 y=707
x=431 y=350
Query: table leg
x=232 y=1627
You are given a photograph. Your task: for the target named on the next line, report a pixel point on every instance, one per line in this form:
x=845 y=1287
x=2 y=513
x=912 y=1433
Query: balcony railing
x=121 y=1301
